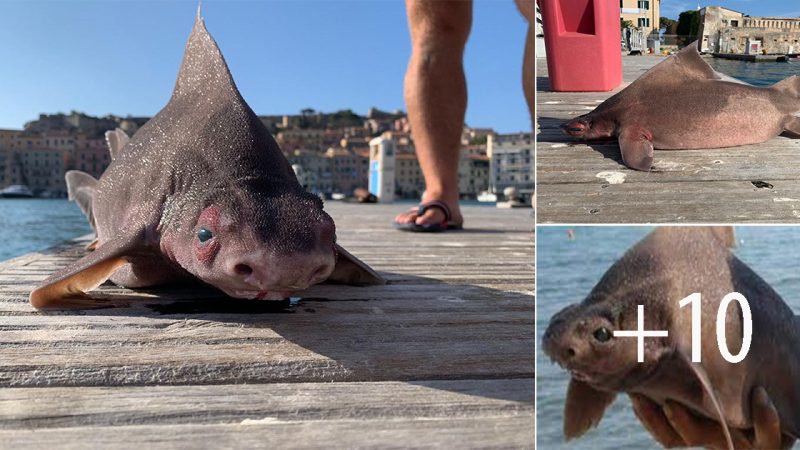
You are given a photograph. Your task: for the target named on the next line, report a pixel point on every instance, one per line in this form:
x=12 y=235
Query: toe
x=406 y=217
x=431 y=216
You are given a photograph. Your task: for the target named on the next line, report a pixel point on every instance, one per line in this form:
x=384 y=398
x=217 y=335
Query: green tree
x=670 y=26
x=625 y=24
x=688 y=25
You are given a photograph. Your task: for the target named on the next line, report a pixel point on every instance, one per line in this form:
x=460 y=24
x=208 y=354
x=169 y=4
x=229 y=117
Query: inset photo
x=649 y=113
x=677 y=336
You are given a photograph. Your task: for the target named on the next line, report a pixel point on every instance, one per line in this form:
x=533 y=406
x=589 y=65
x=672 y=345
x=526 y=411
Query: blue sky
x=781 y=8
x=122 y=57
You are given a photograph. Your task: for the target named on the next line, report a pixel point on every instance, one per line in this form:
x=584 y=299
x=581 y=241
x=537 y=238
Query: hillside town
x=330 y=153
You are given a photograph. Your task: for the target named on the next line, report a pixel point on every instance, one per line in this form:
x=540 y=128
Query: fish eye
x=602 y=334
x=203 y=235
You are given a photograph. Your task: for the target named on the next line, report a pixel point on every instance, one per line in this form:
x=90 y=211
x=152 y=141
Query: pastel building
x=511 y=163
x=642 y=13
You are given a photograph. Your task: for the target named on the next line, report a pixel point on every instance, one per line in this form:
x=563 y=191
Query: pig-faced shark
x=659 y=271
x=202 y=191
x=682 y=103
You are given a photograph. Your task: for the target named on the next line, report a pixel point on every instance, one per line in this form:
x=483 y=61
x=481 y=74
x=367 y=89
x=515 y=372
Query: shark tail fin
x=81 y=188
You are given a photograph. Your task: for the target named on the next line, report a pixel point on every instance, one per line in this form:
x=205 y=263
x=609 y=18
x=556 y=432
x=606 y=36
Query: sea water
x=27 y=225
x=569 y=268
x=757 y=74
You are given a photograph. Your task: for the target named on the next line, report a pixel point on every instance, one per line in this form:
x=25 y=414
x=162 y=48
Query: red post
x=583 y=44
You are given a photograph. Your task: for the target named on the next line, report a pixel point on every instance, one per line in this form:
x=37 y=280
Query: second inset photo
x=667 y=336
x=650 y=113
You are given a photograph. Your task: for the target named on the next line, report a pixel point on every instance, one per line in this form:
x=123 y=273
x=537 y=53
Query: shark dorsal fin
x=116 y=140
x=204 y=72
x=684 y=66
x=725 y=235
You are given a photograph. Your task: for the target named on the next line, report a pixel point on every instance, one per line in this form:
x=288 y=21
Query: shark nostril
x=243 y=270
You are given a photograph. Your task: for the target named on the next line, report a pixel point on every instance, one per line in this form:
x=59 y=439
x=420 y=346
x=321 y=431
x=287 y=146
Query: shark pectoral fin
x=81 y=188
x=637 y=148
x=116 y=140
x=792 y=128
x=66 y=288
x=351 y=270
x=705 y=382
x=584 y=408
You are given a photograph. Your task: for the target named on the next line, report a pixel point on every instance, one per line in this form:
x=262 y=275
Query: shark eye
x=203 y=235
x=602 y=334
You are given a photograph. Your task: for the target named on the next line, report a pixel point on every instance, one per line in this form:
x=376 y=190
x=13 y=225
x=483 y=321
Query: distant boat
x=487 y=197
x=338 y=196
x=16 y=191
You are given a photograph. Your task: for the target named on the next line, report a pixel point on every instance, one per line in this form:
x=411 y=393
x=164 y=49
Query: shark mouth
x=260 y=295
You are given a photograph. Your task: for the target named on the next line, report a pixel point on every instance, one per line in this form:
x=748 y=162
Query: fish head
x=580 y=338
x=265 y=240
x=588 y=126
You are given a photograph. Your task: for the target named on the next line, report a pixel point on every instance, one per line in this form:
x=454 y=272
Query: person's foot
x=433 y=215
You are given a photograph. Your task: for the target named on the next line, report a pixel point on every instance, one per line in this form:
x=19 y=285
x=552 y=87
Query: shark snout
x=263 y=272
x=557 y=341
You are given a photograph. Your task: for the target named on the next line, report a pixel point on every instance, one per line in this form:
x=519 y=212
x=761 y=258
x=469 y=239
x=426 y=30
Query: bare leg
x=436 y=97
x=528 y=70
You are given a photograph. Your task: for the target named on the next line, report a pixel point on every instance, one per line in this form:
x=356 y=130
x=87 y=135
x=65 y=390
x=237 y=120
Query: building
x=315 y=169
x=473 y=175
x=643 y=14
x=724 y=30
x=381 y=178
x=41 y=169
x=348 y=170
x=511 y=161
x=408 y=177
x=90 y=155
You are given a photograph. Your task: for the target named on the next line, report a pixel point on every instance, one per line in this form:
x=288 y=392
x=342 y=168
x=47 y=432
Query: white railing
x=634 y=39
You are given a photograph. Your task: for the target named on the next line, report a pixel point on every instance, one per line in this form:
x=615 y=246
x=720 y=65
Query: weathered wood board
x=441 y=356
x=752 y=183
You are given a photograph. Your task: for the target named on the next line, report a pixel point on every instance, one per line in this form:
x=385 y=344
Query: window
x=644 y=4
x=643 y=23
x=734 y=23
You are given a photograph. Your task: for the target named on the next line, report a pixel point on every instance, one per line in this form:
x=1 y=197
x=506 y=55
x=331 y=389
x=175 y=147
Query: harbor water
x=756 y=73
x=568 y=269
x=27 y=225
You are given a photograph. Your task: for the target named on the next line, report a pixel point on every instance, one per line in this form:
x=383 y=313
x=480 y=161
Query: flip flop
x=446 y=224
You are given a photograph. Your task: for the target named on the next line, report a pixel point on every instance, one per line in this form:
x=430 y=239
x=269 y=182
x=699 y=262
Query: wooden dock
x=442 y=356
x=580 y=183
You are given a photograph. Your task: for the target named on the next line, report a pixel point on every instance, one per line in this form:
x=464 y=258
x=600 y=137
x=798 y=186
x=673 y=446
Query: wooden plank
x=163 y=405
x=443 y=355
x=471 y=432
x=463 y=413
x=713 y=185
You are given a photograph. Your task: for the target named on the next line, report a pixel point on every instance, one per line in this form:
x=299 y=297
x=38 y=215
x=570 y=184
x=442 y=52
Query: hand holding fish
x=675 y=426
